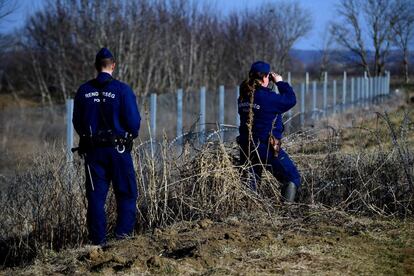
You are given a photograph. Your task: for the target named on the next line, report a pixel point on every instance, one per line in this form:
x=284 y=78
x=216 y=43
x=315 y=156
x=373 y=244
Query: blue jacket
x=119 y=108
x=268 y=107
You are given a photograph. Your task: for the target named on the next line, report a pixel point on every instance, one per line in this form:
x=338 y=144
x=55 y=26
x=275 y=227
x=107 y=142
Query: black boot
x=289 y=192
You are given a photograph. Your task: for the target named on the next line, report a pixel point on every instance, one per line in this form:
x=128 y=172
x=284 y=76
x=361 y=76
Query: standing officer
x=261 y=127
x=107 y=119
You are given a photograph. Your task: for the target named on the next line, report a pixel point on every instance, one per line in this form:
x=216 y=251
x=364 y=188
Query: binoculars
x=271 y=78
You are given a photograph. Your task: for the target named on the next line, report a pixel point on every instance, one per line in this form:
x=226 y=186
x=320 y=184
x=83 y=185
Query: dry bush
x=376 y=177
x=44 y=208
x=191 y=184
x=363 y=183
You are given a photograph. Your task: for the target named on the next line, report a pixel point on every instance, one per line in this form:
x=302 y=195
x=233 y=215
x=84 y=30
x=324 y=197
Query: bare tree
x=366 y=21
x=348 y=33
x=380 y=18
x=159 y=45
x=291 y=22
x=403 y=31
x=7 y=7
x=326 y=51
x=268 y=33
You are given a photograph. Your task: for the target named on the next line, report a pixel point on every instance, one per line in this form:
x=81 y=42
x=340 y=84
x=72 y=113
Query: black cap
x=260 y=67
x=103 y=53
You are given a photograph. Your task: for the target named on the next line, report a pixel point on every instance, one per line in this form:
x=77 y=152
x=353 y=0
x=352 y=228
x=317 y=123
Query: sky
x=322 y=12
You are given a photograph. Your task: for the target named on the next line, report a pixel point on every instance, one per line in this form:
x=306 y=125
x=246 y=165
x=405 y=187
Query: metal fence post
x=352 y=92
x=358 y=86
x=325 y=93
x=366 y=91
x=237 y=105
x=221 y=106
x=153 y=121
x=388 y=83
x=334 y=96
x=179 y=115
x=302 y=104
x=366 y=87
x=69 y=130
x=382 y=86
x=307 y=83
x=385 y=86
x=344 y=88
x=202 y=114
x=153 y=116
x=363 y=88
x=369 y=85
x=379 y=88
x=356 y=95
x=289 y=80
x=362 y=91
x=314 y=111
x=372 y=84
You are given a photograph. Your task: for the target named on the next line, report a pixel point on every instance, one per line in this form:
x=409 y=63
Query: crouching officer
x=107 y=119
x=261 y=127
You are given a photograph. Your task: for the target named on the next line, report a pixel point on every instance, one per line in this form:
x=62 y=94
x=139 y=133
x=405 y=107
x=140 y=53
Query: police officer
x=261 y=127
x=107 y=119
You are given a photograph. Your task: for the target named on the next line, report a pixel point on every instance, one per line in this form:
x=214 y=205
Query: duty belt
x=106 y=140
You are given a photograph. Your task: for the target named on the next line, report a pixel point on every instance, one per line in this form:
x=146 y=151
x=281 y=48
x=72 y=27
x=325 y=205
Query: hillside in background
x=311 y=57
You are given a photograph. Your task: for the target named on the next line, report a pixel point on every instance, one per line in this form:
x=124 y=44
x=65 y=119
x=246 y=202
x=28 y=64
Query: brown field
x=298 y=239
x=354 y=216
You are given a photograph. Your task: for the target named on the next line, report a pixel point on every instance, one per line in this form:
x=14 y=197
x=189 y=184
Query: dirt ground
x=298 y=239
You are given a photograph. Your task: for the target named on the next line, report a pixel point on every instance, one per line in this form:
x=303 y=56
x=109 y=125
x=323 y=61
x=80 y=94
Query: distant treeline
x=159 y=45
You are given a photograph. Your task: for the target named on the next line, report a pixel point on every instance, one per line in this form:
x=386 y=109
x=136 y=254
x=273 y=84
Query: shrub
x=45 y=208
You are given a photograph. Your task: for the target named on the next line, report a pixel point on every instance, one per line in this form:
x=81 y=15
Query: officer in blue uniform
x=107 y=119
x=261 y=127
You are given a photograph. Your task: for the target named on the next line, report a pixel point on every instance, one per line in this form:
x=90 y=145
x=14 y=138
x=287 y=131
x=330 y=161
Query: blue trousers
x=281 y=167
x=102 y=166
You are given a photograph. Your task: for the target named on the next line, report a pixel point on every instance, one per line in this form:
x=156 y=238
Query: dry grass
x=365 y=168
x=298 y=239
x=44 y=208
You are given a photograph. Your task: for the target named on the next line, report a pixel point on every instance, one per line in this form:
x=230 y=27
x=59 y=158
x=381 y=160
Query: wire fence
x=204 y=113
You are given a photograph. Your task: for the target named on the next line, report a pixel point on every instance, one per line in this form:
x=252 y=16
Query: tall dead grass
x=44 y=208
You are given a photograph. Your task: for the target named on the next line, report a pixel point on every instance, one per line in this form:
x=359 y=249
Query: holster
x=103 y=140
x=275 y=145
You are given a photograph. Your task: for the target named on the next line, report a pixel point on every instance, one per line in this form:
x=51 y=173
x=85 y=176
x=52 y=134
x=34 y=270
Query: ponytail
x=247 y=89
